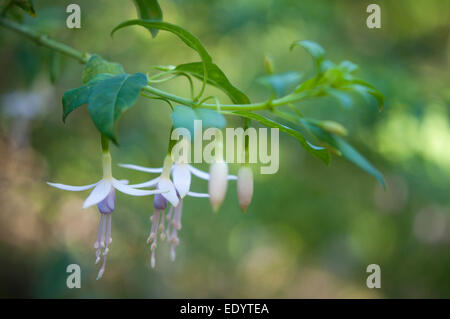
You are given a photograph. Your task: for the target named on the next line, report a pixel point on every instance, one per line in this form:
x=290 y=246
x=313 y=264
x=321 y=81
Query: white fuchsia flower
x=103 y=195
x=175 y=191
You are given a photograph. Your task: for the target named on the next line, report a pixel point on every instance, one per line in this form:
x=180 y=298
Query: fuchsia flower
x=103 y=195
x=175 y=190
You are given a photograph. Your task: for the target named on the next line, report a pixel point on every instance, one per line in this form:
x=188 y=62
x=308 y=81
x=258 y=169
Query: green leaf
x=344 y=98
x=365 y=88
x=111 y=97
x=188 y=38
x=216 y=78
x=184 y=117
x=191 y=40
x=317 y=151
x=347 y=151
x=280 y=84
x=348 y=67
x=74 y=98
x=97 y=65
x=314 y=49
x=149 y=10
x=26 y=5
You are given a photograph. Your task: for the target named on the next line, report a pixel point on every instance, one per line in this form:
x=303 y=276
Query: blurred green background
x=310 y=231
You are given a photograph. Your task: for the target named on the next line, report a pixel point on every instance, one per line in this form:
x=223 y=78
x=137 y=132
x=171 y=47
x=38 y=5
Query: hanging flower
x=175 y=191
x=103 y=195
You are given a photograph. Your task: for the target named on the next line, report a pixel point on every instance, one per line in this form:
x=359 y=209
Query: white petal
x=98 y=194
x=199 y=195
x=72 y=188
x=169 y=191
x=181 y=178
x=133 y=191
x=232 y=177
x=142 y=168
x=152 y=182
x=198 y=173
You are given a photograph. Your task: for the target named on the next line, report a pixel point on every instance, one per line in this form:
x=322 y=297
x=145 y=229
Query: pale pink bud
x=245 y=187
x=218 y=182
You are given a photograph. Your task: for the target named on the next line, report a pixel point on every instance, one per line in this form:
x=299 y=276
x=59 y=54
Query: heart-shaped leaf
x=111 y=97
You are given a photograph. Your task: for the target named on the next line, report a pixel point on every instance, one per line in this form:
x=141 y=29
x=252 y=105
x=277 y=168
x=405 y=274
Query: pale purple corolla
x=103 y=195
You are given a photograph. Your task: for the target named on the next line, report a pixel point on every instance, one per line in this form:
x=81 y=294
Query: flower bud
x=245 y=187
x=106 y=206
x=218 y=181
x=268 y=64
x=333 y=127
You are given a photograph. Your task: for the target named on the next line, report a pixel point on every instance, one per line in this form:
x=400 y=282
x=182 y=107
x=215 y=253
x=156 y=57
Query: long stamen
x=108 y=238
x=105 y=207
x=97 y=244
x=102 y=269
x=169 y=217
x=176 y=226
x=102 y=231
x=161 y=226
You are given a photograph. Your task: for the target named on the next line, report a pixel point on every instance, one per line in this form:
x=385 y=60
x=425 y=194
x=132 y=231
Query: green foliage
x=317 y=151
x=108 y=96
x=74 y=98
x=314 y=49
x=149 y=10
x=184 y=117
x=347 y=151
x=97 y=65
x=216 y=78
x=280 y=84
x=329 y=132
x=111 y=97
x=26 y=5
x=336 y=80
x=188 y=38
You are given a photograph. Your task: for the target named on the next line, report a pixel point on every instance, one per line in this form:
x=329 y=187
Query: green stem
x=44 y=40
x=64 y=49
x=105 y=143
